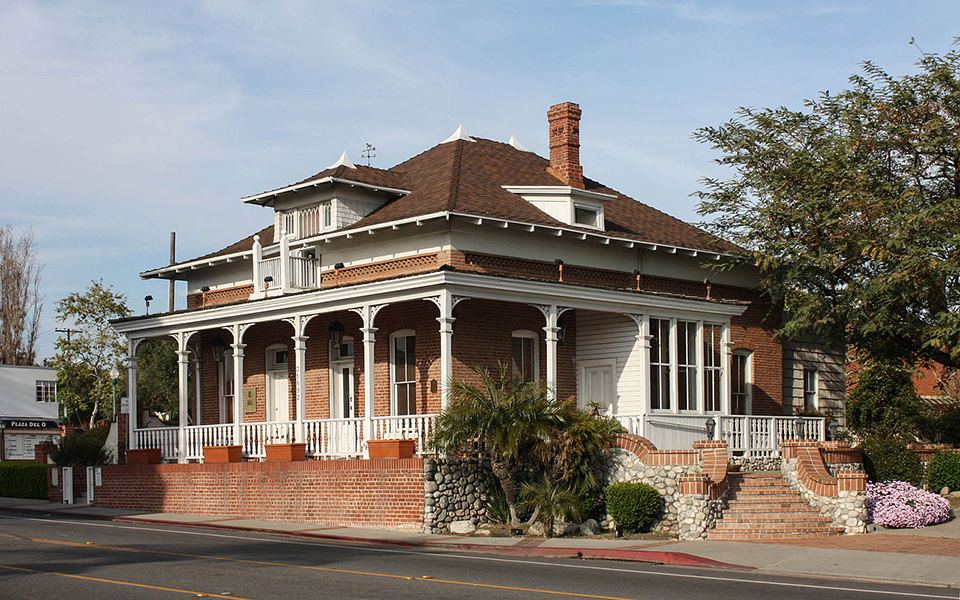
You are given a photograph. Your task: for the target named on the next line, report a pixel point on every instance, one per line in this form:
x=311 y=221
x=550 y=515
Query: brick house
x=346 y=318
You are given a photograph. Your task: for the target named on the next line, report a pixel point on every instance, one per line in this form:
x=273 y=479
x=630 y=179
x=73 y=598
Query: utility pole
x=68 y=332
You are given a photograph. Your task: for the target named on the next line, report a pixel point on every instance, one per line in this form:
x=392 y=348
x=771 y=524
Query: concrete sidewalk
x=929 y=556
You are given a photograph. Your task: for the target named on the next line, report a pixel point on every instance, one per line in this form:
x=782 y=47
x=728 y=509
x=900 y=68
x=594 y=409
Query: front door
x=597 y=384
x=278 y=384
x=342 y=406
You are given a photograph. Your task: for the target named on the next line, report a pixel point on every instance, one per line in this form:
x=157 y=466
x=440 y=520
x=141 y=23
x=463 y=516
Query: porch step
x=761 y=505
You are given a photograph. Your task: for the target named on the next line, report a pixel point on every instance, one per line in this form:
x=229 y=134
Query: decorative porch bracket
x=368 y=312
x=551 y=313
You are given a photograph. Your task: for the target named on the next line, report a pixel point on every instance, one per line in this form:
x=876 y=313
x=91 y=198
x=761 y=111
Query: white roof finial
x=513 y=142
x=345 y=161
x=459 y=134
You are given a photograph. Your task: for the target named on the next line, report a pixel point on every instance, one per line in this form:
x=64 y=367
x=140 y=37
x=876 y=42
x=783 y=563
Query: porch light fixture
x=147 y=299
x=338 y=266
x=336 y=334
x=559 y=264
x=205 y=289
x=562 y=334
x=801 y=423
x=711 y=428
x=203 y=295
x=267 y=281
x=833 y=431
x=709 y=285
x=639 y=276
x=217 y=346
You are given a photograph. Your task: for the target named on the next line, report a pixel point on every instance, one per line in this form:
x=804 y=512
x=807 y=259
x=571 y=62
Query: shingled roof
x=467 y=177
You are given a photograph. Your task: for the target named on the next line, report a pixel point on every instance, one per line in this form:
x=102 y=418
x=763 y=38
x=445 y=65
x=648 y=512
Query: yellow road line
x=307 y=567
x=117 y=582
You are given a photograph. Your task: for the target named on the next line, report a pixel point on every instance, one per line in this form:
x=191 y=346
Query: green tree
x=850 y=209
x=84 y=358
x=157 y=378
x=885 y=402
x=510 y=418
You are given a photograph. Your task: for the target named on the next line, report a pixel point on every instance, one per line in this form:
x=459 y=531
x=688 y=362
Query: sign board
x=29 y=424
x=98 y=476
x=124 y=405
x=249 y=399
x=21 y=446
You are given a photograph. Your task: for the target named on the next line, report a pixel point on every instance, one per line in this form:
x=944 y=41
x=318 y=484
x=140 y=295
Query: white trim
x=554 y=190
x=325 y=180
x=334 y=367
x=459 y=134
x=747 y=377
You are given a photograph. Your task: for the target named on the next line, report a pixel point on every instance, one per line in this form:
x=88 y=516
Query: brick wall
x=363 y=493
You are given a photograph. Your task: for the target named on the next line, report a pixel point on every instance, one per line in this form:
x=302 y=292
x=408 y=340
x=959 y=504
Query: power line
x=68 y=332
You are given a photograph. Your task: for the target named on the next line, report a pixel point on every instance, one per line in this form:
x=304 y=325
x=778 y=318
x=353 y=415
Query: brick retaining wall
x=363 y=493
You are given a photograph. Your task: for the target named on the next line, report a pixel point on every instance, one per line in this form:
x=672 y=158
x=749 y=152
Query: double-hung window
x=46 y=391
x=809 y=389
x=525 y=359
x=687 y=365
x=712 y=369
x=660 y=364
x=686 y=369
x=403 y=353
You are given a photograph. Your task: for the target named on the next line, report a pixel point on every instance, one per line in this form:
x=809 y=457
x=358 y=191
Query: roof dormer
x=566 y=204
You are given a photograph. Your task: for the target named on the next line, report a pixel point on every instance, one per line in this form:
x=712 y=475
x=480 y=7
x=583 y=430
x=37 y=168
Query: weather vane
x=369 y=153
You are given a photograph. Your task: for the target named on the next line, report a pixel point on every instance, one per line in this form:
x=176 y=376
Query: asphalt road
x=59 y=558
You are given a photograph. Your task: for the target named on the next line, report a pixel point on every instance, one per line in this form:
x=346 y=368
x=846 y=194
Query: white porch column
x=368 y=312
x=198 y=387
x=284 y=283
x=132 y=416
x=446 y=303
x=299 y=323
x=643 y=347
x=726 y=372
x=551 y=314
x=237 y=330
x=183 y=374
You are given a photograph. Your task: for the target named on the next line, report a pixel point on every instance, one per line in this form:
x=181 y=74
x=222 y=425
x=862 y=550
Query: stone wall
x=758 y=463
x=848 y=509
x=454 y=490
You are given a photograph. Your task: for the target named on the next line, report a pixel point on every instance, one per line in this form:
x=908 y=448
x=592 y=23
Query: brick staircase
x=761 y=505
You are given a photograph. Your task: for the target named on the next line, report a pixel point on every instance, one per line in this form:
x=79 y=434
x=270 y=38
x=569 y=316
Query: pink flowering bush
x=899 y=504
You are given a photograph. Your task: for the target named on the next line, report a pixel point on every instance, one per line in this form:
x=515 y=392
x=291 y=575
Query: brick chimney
x=564 y=120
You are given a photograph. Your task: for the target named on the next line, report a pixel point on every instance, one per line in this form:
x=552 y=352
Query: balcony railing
x=286 y=272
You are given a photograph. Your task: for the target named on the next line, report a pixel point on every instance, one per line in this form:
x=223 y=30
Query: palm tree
x=512 y=419
x=552 y=501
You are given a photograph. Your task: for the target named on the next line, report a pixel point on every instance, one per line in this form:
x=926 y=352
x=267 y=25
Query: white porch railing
x=748 y=435
x=303 y=272
x=271 y=267
x=329 y=438
x=253 y=436
x=164 y=438
x=207 y=435
x=410 y=427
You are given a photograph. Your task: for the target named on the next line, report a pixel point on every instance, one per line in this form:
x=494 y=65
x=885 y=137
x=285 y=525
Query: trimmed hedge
x=23 y=480
x=632 y=505
x=889 y=459
x=944 y=471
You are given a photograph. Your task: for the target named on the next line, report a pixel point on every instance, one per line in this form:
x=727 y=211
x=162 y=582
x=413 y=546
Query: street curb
x=645 y=556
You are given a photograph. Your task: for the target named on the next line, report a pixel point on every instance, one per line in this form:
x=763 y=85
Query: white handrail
x=408 y=427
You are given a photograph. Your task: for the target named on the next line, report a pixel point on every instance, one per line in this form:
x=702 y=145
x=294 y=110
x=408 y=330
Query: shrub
x=944 y=471
x=888 y=458
x=23 y=480
x=899 y=504
x=83 y=450
x=885 y=401
x=633 y=506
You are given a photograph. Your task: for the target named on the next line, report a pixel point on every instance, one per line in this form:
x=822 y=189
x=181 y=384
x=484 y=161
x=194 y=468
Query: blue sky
x=123 y=121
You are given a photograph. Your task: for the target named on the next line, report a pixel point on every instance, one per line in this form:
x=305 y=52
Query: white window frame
x=228 y=384
x=698 y=397
x=655 y=361
x=693 y=395
x=393 y=372
x=815 y=375
x=747 y=356
x=597 y=211
x=44 y=392
x=708 y=369
x=531 y=335
x=336 y=363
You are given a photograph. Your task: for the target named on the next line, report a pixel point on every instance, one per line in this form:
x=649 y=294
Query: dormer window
x=570 y=205
x=308 y=221
x=588 y=216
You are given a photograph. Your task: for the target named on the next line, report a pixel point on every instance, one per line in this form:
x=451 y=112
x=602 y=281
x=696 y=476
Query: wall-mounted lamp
x=711 y=428
x=559 y=264
x=639 y=276
x=336 y=334
x=217 y=346
x=267 y=281
x=203 y=295
x=801 y=428
x=147 y=299
x=833 y=431
x=562 y=334
x=338 y=266
x=709 y=285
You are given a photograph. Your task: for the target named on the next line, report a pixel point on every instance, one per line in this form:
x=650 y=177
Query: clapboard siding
x=602 y=336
